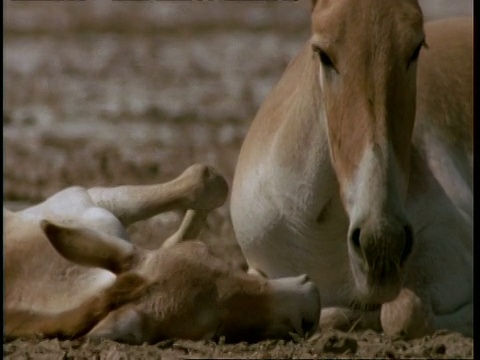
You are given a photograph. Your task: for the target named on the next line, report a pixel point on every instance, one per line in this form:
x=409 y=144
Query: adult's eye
x=324 y=58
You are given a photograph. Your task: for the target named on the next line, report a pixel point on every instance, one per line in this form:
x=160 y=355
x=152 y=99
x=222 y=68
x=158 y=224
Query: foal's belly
x=49 y=283
x=53 y=296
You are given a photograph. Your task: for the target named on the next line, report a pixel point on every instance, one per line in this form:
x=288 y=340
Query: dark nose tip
x=397 y=238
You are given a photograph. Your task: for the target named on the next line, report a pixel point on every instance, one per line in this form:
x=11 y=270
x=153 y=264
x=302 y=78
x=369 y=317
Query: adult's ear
x=88 y=247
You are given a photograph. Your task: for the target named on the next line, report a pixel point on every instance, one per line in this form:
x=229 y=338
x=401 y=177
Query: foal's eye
x=415 y=54
x=324 y=58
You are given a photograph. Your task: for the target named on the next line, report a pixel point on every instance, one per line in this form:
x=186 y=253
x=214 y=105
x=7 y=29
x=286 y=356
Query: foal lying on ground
x=71 y=270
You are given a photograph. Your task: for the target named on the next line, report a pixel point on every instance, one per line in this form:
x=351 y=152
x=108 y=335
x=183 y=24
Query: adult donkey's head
x=367 y=53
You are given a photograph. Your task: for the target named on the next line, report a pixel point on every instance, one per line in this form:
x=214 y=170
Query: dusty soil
x=333 y=344
x=110 y=93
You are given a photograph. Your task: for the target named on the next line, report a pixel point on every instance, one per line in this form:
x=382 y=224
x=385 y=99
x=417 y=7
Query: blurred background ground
x=132 y=92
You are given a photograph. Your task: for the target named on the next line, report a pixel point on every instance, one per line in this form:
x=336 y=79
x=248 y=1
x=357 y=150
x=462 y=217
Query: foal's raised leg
x=192 y=224
x=199 y=187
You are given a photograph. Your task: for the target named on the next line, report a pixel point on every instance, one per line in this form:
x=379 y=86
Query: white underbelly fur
x=279 y=235
x=67 y=293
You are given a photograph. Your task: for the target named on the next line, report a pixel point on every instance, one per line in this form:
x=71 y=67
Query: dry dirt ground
x=118 y=92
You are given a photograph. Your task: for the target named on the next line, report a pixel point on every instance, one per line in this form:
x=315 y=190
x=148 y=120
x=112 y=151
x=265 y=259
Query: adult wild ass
x=104 y=286
x=357 y=169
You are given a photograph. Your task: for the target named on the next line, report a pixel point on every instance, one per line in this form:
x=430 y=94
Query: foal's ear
x=88 y=247
x=313 y=3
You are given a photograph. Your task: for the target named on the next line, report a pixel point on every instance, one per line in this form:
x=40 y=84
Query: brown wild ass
x=104 y=286
x=357 y=169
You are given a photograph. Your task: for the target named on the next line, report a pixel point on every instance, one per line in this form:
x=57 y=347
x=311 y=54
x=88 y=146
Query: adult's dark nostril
x=356 y=238
x=407 y=249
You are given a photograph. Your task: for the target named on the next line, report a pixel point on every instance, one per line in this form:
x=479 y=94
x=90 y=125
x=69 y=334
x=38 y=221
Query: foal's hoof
x=210 y=189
